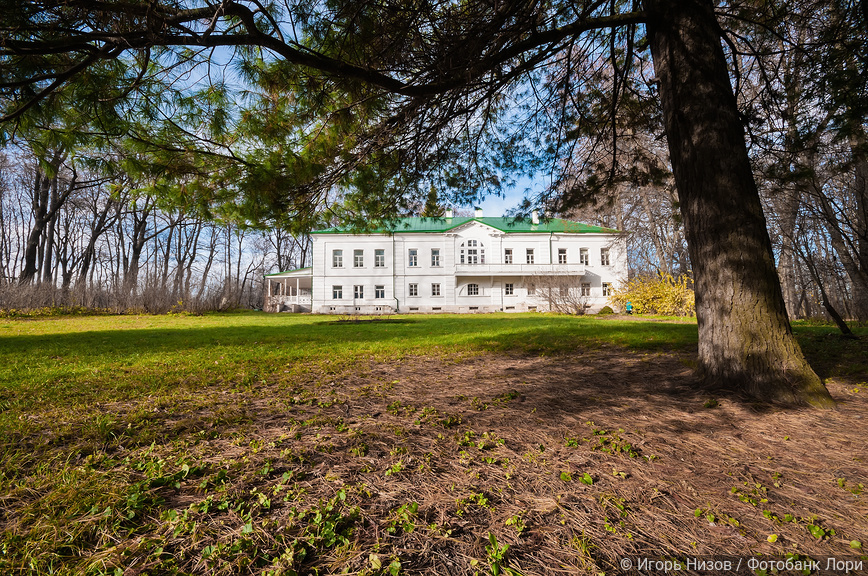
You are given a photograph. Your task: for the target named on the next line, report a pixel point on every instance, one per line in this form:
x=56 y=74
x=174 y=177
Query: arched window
x=472 y=252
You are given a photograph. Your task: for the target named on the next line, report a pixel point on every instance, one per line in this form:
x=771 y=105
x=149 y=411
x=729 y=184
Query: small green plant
x=393 y=569
x=403 y=518
x=715 y=519
x=819 y=532
x=517 y=523
x=855 y=489
x=395 y=468
x=497 y=560
x=451 y=421
x=610 y=441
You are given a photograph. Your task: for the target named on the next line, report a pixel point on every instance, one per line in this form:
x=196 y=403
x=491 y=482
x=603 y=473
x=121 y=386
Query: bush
x=605 y=310
x=660 y=294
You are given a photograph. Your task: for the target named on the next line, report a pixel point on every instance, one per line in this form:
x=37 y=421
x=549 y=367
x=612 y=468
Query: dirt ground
x=577 y=462
x=585 y=463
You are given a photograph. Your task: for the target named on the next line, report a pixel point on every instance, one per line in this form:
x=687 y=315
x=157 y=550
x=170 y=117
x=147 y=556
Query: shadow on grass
x=139 y=360
x=543 y=334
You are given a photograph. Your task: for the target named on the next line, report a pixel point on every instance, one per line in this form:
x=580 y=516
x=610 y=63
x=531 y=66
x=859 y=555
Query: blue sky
x=497 y=206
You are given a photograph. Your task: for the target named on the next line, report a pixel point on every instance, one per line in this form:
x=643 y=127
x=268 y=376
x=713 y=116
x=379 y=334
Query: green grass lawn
x=265 y=444
x=67 y=361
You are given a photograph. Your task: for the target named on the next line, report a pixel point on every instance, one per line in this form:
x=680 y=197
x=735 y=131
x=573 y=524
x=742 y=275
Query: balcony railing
x=519 y=269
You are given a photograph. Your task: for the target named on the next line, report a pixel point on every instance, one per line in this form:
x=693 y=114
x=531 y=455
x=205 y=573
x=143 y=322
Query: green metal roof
x=434 y=225
x=288 y=271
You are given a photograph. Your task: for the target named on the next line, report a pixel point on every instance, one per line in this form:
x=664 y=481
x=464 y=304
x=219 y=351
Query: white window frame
x=529 y=257
x=379 y=291
x=562 y=255
x=358 y=258
x=379 y=258
x=472 y=252
x=473 y=290
x=605 y=259
x=509 y=289
x=413 y=258
x=584 y=259
x=413 y=289
x=607 y=288
x=435 y=289
x=435 y=257
x=507 y=256
x=337 y=292
x=359 y=292
x=586 y=288
x=337 y=258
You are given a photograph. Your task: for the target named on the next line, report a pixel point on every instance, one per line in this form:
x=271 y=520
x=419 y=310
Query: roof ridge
x=507 y=224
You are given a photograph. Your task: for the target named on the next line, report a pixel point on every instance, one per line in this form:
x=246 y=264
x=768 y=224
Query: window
x=507 y=256
x=586 y=288
x=379 y=291
x=435 y=289
x=358 y=258
x=472 y=252
x=530 y=255
x=509 y=289
x=414 y=290
x=583 y=256
x=413 y=257
x=337 y=292
x=435 y=257
x=607 y=288
x=473 y=289
x=562 y=255
x=338 y=258
x=604 y=256
x=358 y=292
x=379 y=258
x=531 y=289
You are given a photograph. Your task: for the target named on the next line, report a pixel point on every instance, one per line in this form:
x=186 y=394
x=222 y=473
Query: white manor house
x=455 y=264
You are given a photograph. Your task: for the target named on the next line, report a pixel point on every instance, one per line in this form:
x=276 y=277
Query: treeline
x=819 y=232
x=72 y=236
x=803 y=103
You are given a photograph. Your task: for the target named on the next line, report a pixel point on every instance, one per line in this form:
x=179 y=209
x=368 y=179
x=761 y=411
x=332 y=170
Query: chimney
x=478 y=213
x=534 y=217
x=449 y=212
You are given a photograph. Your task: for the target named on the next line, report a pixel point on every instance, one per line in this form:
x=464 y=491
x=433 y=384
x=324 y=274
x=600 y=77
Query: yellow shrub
x=660 y=294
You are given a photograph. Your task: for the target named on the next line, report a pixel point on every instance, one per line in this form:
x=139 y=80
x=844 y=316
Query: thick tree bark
x=745 y=340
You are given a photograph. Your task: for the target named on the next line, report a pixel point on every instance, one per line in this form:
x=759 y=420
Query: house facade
x=456 y=264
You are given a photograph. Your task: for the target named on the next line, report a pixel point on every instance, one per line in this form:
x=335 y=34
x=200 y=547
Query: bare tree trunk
x=48 y=252
x=745 y=339
x=100 y=225
x=41 y=188
x=859 y=148
x=212 y=252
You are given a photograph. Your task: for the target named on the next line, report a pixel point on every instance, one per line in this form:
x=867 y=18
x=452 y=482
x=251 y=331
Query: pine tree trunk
x=745 y=340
